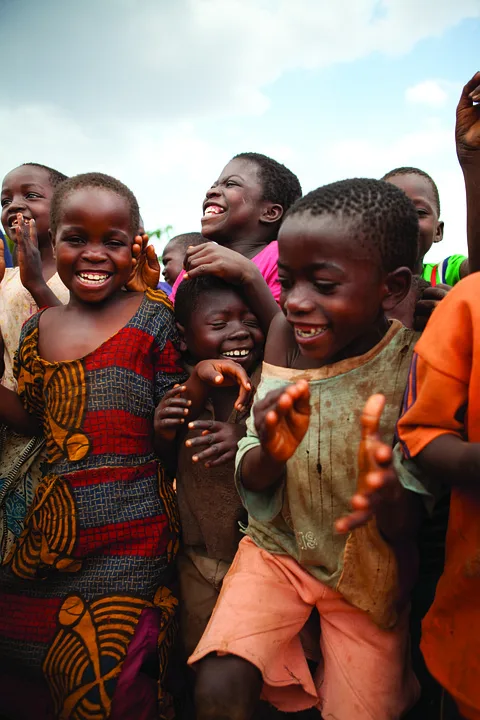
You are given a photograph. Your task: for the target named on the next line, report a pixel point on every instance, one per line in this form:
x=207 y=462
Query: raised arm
x=467 y=136
x=30 y=264
x=212 y=259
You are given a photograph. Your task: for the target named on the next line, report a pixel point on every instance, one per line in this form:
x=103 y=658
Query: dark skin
x=242 y=222
x=467 y=137
x=219 y=327
x=334 y=299
x=172 y=260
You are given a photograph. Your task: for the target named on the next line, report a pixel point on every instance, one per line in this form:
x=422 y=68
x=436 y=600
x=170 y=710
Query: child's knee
x=226 y=687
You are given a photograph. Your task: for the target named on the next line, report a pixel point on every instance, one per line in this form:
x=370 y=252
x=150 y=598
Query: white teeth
x=93 y=278
x=313 y=332
x=213 y=210
x=237 y=353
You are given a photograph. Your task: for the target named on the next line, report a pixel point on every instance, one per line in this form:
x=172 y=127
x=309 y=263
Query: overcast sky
x=161 y=93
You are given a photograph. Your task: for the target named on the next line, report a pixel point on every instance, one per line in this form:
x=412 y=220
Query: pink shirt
x=266 y=261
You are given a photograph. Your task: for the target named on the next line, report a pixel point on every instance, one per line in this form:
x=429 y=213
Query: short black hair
x=187 y=239
x=280 y=185
x=56 y=177
x=190 y=291
x=383 y=214
x=92 y=180
x=421 y=173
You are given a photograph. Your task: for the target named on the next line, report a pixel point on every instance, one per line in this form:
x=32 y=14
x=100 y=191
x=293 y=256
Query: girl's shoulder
x=155 y=316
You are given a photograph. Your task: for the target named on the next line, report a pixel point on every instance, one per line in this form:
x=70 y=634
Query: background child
x=174 y=253
x=26 y=196
x=7 y=257
x=346 y=252
x=242 y=213
x=214 y=322
x=423 y=192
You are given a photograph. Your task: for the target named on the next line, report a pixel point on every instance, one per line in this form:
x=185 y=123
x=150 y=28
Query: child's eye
x=251 y=323
x=218 y=325
x=5 y=201
x=326 y=288
x=115 y=243
x=230 y=183
x=74 y=240
x=422 y=213
x=31 y=195
x=285 y=284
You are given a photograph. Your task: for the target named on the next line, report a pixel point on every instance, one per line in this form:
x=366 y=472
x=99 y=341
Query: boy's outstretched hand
x=146 y=268
x=377 y=479
x=281 y=420
x=224 y=372
x=467 y=129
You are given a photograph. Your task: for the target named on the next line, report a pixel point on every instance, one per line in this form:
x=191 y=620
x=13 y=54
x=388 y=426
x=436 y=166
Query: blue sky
x=161 y=93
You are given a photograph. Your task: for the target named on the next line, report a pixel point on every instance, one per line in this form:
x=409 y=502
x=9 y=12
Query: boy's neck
x=247 y=245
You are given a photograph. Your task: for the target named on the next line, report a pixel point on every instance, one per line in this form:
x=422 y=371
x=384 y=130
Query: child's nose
x=298 y=301
x=239 y=332
x=212 y=192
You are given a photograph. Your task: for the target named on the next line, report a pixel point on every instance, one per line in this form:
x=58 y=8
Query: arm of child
x=213 y=259
x=13 y=414
x=220 y=440
x=453 y=460
x=281 y=421
x=30 y=264
x=467 y=136
x=146 y=268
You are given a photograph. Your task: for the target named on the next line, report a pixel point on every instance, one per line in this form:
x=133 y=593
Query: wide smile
x=306 y=335
x=212 y=210
x=240 y=355
x=93 y=278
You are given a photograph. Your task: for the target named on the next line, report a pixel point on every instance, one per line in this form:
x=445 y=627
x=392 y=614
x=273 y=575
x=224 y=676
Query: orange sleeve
x=436 y=398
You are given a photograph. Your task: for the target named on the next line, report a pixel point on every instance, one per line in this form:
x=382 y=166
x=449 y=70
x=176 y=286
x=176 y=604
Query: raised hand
x=28 y=254
x=212 y=259
x=171 y=413
x=377 y=479
x=224 y=372
x=282 y=419
x=219 y=439
x=146 y=268
x=467 y=128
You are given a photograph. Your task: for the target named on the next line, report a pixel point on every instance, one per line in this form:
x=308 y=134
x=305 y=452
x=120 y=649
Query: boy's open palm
x=467 y=129
x=282 y=419
x=377 y=479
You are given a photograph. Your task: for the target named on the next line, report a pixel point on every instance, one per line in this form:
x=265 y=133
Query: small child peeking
x=214 y=321
x=346 y=256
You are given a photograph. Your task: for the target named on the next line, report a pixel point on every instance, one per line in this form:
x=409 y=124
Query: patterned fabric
x=21 y=460
x=297 y=517
x=101 y=534
x=6 y=250
x=447 y=271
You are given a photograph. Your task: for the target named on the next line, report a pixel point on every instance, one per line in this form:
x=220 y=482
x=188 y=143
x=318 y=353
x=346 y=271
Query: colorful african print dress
x=85 y=602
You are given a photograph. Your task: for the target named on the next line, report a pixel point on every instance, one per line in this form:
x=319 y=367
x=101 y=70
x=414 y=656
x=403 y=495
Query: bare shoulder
x=280 y=345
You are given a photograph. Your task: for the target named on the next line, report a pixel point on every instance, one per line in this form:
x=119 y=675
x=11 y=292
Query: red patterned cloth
x=91 y=572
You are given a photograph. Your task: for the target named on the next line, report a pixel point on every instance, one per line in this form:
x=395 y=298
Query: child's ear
x=272 y=213
x=397 y=284
x=439 y=232
x=181 y=332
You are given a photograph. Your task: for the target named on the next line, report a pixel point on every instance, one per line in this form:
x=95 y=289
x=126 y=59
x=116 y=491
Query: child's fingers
x=470 y=92
x=371 y=415
x=205 y=425
x=355 y=520
x=210 y=453
x=221 y=460
x=169 y=422
x=201 y=440
x=32 y=233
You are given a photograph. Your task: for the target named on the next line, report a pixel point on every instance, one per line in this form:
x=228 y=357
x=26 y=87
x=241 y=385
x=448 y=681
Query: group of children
x=209 y=506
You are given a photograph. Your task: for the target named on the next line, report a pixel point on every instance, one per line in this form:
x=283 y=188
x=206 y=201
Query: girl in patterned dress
x=86 y=606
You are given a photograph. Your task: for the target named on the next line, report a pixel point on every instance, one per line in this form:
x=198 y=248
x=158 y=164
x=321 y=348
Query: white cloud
x=428 y=92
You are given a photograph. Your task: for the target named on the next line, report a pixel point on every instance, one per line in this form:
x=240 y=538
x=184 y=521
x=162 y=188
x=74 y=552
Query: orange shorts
x=365 y=673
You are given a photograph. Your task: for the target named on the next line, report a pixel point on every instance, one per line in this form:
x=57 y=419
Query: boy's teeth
x=237 y=353
x=312 y=332
x=93 y=278
x=213 y=210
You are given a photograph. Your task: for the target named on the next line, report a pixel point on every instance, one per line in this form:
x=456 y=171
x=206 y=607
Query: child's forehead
x=414 y=185
x=220 y=300
x=244 y=167
x=26 y=175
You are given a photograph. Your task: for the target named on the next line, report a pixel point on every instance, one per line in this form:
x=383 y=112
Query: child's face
x=223 y=326
x=332 y=287
x=27 y=190
x=172 y=261
x=420 y=192
x=234 y=202
x=94 y=243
